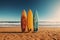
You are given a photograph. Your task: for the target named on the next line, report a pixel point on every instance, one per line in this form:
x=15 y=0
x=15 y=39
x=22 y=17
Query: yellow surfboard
x=30 y=20
x=23 y=21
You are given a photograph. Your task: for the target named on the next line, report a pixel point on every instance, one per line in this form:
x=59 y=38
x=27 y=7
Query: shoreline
x=18 y=29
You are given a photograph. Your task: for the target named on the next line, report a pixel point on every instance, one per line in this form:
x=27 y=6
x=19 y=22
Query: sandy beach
x=44 y=33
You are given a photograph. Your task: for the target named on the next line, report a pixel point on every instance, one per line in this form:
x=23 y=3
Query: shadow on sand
x=17 y=32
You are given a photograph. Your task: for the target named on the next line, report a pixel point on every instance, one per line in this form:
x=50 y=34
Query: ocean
x=41 y=24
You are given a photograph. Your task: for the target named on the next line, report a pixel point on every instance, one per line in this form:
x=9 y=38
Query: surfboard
x=23 y=21
x=30 y=21
x=35 y=21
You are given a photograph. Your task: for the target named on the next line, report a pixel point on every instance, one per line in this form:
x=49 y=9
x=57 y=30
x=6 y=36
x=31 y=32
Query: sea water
x=41 y=24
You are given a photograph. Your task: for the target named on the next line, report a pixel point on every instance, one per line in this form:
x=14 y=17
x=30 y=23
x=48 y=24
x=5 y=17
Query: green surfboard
x=35 y=21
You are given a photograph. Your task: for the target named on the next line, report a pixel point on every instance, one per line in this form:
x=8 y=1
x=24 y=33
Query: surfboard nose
x=24 y=13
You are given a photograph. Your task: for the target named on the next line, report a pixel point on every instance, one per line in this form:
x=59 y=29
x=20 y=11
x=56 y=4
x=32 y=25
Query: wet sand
x=44 y=33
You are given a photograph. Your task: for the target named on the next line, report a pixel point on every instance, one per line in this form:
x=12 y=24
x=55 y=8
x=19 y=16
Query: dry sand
x=44 y=33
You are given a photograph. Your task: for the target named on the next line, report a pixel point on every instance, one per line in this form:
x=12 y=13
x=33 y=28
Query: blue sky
x=10 y=10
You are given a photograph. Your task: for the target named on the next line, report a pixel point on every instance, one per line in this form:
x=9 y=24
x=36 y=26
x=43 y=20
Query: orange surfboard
x=30 y=20
x=23 y=21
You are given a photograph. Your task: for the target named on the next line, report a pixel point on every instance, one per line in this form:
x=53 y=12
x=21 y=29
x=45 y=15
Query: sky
x=11 y=10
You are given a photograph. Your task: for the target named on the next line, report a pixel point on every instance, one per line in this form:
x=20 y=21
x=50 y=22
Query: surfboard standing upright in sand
x=23 y=21
x=35 y=21
x=30 y=21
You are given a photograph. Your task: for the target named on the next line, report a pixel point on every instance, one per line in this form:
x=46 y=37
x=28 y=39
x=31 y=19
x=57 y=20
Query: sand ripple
x=51 y=35
x=40 y=35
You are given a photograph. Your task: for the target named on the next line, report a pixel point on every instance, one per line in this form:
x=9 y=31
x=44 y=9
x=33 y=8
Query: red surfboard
x=23 y=21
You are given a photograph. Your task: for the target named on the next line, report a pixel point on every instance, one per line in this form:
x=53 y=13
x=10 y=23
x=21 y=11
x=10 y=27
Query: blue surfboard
x=35 y=21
